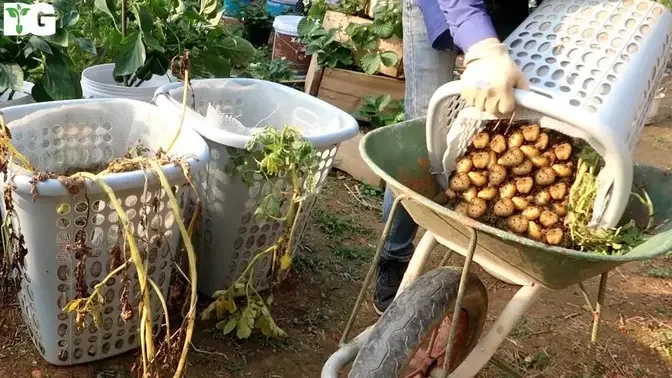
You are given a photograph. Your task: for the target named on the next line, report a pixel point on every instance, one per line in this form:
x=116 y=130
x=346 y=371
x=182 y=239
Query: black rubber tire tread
x=411 y=318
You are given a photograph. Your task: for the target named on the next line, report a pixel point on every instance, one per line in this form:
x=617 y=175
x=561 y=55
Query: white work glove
x=490 y=77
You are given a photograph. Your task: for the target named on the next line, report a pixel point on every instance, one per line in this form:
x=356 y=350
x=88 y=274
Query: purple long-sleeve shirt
x=456 y=23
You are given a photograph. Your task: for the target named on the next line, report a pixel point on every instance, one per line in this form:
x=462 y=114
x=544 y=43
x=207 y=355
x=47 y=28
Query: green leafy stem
x=276 y=156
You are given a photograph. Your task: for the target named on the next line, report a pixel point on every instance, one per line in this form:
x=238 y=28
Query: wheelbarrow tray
x=398 y=154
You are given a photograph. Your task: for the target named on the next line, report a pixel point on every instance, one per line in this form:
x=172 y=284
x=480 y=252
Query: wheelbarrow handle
x=445 y=102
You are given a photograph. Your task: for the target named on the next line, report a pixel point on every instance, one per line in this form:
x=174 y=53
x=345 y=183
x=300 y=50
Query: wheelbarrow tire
x=412 y=317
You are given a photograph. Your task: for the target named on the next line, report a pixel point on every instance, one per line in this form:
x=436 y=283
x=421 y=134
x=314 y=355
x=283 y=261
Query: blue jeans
x=426 y=69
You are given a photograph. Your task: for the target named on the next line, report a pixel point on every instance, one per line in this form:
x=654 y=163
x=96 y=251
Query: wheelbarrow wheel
x=410 y=320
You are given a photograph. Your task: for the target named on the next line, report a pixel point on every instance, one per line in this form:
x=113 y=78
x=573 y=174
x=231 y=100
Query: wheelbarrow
x=399 y=155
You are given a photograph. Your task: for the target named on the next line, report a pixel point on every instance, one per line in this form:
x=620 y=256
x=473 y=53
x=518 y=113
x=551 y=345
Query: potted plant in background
x=151 y=35
x=257 y=23
x=35 y=68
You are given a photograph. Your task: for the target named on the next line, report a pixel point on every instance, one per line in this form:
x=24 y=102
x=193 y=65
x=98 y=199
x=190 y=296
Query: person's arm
x=456 y=23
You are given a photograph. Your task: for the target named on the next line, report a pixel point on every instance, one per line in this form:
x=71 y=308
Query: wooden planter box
x=349 y=160
x=345 y=89
x=340 y=21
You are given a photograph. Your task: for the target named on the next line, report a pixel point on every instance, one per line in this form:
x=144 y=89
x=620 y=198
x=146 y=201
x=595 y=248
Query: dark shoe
x=388 y=279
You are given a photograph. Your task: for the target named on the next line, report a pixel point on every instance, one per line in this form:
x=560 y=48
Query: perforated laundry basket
x=228 y=236
x=58 y=136
x=594 y=66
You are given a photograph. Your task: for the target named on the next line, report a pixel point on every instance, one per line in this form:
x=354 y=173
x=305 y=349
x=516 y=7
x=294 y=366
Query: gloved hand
x=490 y=77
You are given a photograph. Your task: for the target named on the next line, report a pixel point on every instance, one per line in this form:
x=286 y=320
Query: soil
x=313 y=305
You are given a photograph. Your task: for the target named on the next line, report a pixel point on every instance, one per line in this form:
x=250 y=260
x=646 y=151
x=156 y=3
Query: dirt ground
x=313 y=304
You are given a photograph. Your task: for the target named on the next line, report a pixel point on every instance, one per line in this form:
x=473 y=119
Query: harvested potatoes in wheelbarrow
x=537 y=183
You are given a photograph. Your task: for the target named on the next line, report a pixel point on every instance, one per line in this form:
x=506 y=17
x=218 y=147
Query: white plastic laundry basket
x=228 y=235
x=66 y=135
x=595 y=66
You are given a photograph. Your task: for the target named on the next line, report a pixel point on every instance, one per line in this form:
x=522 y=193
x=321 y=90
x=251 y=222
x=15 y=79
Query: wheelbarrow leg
x=597 y=314
x=372 y=269
x=416 y=266
x=498 y=332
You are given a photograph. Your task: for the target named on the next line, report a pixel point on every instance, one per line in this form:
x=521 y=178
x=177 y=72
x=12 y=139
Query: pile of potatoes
x=517 y=179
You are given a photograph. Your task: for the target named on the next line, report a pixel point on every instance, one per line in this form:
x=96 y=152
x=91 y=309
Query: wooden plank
x=345 y=89
x=340 y=21
x=313 y=77
x=349 y=160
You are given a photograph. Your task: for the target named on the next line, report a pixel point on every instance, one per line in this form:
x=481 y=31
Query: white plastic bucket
x=286 y=44
x=19 y=98
x=98 y=82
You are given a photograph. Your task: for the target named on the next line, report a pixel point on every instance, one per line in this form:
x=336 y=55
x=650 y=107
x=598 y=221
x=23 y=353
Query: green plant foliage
x=329 y=52
x=281 y=157
x=381 y=110
x=45 y=61
x=276 y=70
x=159 y=30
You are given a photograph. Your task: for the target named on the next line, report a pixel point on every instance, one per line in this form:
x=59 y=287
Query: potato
x=531 y=132
x=520 y=202
x=504 y=207
x=487 y=193
x=524 y=184
x=523 y=169
x=554 y=236
x=534 y=231
x=461 y=208
x=558 y=191
x=464 y=165
x=477 y=208
x=560 y=209
x=544 y=177
x=507 y=190
x=460 y=182
x=481 y=159
x=493 y=159
x=530 y=151
x=477 y=178
x=498 y=144
x=480 y=140
x=470 y=194
x=548 y=218
x=540 y=161
x=516 y=140
x=518 y=223
x=497 y=175
x=532 y=212
x=562 y=170
x=542 y=198
x=550 y=155
x=563 y=151
x=511 y=158
x=542 y=141
x=450 y=193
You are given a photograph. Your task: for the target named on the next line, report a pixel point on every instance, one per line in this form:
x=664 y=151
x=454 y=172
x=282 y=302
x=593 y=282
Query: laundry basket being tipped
x=74 y=237
x=228 y=236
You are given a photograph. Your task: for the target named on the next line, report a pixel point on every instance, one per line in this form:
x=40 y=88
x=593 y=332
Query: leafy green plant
x=45 y=61
x=158 y=30
x=322 y=43
x=317 y=10
x=387 y=20
x=257 y=22
x=275 y=70
x=381 y=110
x=362 y=38
x=280 y=157
x=352 y=7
